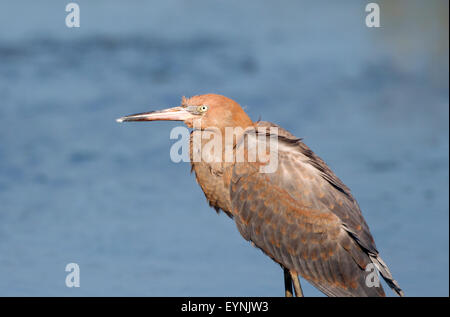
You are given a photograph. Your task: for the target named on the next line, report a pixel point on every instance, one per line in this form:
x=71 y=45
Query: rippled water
x=75 y=186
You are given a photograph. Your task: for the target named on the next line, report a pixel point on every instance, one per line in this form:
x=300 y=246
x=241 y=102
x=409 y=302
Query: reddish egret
x=301 y=214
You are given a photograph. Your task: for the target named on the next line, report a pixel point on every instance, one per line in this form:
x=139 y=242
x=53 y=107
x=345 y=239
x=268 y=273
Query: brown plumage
x=301 y=215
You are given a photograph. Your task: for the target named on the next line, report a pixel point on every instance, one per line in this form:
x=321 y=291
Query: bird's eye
x=202 y=108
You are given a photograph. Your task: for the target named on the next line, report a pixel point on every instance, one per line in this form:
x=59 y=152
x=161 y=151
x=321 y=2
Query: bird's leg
x=287 y=283
x=297 y=286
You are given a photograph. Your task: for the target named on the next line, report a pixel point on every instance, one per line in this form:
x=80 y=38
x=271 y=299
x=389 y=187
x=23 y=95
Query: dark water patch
x=3 y=186
x=155 y=60
x=378 y=76
x=105 y=45
x=382 y=166
x=81 y=157
x=41 y=179
x=429 y=194
x=12 y=174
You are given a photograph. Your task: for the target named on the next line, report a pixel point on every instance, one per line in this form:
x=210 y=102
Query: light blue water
x=75 y=186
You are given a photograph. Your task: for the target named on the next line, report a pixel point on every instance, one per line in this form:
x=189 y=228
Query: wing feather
x=304 y=218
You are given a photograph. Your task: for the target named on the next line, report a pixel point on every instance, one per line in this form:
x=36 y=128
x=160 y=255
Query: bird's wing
x=305 y=218
x=325 y=190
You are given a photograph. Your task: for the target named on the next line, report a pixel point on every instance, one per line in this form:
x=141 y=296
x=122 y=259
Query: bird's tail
x=386 y=274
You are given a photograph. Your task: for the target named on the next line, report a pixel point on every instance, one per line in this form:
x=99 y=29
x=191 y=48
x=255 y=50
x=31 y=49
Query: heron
x=300 y=214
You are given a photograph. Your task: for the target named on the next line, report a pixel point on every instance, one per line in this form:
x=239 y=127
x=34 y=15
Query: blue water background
x=75 y=186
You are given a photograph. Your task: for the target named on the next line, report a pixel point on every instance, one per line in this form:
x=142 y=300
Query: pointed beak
x=171 y=114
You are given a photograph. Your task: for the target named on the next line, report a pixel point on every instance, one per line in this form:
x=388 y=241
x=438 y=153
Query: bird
x=300 y=214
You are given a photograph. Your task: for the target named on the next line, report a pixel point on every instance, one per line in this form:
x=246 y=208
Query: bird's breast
x=206 y=162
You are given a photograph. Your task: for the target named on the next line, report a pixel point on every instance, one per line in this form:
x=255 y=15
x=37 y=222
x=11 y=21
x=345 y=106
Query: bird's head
x=200 y=112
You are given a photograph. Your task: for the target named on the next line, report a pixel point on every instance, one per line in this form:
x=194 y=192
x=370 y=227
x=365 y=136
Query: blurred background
x=75 y=186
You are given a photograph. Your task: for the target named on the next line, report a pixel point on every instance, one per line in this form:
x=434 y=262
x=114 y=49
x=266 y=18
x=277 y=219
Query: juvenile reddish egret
x=301 y=214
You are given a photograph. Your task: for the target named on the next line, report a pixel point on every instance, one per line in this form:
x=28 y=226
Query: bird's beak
x=171 y=114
